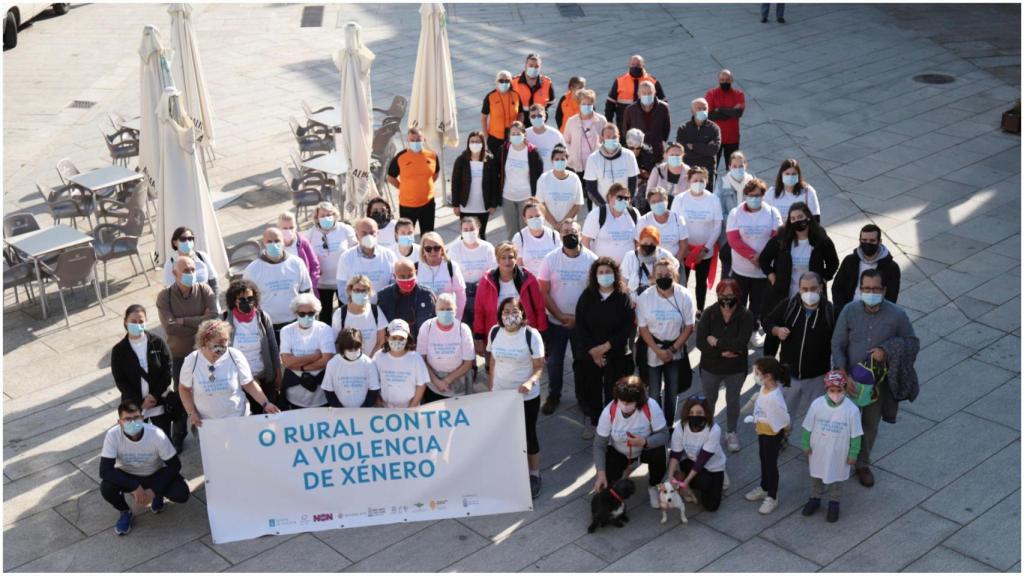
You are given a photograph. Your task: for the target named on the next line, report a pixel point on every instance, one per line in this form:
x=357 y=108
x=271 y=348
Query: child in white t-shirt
x=350 y=379
x=403 y=374
x=771 y=419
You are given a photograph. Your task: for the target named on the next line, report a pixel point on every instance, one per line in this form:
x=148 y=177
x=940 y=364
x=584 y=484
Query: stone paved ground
x=832 y=87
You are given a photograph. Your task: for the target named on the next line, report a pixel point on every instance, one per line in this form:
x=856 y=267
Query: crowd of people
x=370 y=314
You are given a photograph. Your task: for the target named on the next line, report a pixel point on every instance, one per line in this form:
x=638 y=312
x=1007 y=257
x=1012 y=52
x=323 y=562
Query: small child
x=831 y=439
x=771 y=419
x=350 y=378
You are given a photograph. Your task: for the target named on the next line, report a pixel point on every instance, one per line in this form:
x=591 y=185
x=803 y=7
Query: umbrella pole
x=444 y=180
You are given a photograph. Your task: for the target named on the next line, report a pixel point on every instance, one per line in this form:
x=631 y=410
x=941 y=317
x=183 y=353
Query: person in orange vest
x=501 y=108
x=626 y=91
x=568 y=106
x=533 y=88
x=413 y=171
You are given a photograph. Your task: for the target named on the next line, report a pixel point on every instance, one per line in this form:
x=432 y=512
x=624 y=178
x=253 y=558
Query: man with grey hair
x=651 y=115
x=367 y=258
x=701 y=138
x=406 y=299
x=307 y=345
x=280 y=276
x=625 y=91
x=725 y=107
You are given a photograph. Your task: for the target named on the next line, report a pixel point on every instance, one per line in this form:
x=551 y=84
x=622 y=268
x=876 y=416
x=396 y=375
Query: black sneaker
x=764 y=20
x=811 y=507
x=833 y=511
x=534 y=486
x=550 y=405
x=780 y=20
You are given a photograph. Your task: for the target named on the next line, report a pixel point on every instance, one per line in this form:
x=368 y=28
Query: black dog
x=609 y=505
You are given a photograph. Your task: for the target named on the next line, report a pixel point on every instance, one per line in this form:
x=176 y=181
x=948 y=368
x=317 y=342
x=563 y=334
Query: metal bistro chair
x=20 y=274
x=113 y=241
x=309 y=176
x=19 y=223
x=66 y=169
x=75 y=267
x=315 y=126
x=303 y=195
x=62 y=204
x=396 y=112
x=121 y=146
x=383 y=150
x=239 y=256
x=309 y=141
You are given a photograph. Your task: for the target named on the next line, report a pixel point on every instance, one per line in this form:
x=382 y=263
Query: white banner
x=325 y=468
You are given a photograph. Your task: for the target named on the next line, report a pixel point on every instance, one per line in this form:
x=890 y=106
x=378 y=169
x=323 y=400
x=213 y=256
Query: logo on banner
x=371 y=512
x=278 y=522
x=324 y=517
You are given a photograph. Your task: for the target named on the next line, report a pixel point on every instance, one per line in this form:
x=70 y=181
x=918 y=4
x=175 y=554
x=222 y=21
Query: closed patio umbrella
x=155 y=75
x=432 y=105
x=184 y=196
x=354 y=62
x=188 y=76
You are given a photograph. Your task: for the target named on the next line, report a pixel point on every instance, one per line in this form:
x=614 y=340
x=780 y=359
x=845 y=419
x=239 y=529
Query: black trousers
x=327 y=304
x=768 y=449
x=615 y=464
x=724 y=151
x=753 y=295
x=483 y=217
x=164 y=482
x=594 y=388
x=179 y=422
x=703 y=269
x=494 y=145
x=424 y=215
x=709 y=484
x=269 y=387
x=725 y=257
x=532 y=409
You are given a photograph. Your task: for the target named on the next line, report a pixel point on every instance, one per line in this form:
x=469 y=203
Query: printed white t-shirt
x=517 y=175
x=474 y=262
x=808 y=196
x=506 y=290
x=607 y=171
x=222 y=395
x=339 y=239
x=567 y=278
x=299 y=342
x=350 y=380
x=831 y=429
x=247 y=341
x=379 y=268
x=533 y=249
x=665 y=317
x=703 y=217
x=513 y=362
x=141 y=458
x=613 y=239
x=559 y=196
x=636 y=424
x=672 y=231
x=475 y=202
x=690 y=443
x=445 y=350
x=368 y=327
x=279 y=284
x=545 y=142
x=771 y=409
x=755 y=229
x=399 y=377
x=801 y=254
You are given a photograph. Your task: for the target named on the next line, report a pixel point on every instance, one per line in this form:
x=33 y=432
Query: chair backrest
x=398 y=107
x=307 y=109
x=135 y=223
x=296 y=161
x=108 y=139
x=289 y=176
x=244 y=252
x=381 y=137
x=75 y=267
x=297 y=130
x=135 y=197
x=66 y=169
x=19 y=223
x=49 y=196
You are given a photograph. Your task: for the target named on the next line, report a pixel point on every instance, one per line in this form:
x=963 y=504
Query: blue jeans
x=666 y=395
x=558 y=338
x=780 y=9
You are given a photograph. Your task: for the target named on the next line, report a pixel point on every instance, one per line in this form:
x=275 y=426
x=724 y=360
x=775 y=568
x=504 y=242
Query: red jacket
x=485 y=307
x=730 y=125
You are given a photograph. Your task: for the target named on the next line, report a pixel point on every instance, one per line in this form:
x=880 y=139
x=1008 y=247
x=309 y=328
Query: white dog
x=668 y=497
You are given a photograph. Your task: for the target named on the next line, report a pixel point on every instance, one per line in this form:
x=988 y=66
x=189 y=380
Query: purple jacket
x=307 y=255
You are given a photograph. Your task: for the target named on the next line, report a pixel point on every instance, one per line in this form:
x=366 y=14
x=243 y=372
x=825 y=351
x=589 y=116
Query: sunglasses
x=305 y=314
x=431 y=249
x=213 y=371
x=324 y=244
x=187 y=239
x=626 y=198
x=249 y=300
x=697 y=397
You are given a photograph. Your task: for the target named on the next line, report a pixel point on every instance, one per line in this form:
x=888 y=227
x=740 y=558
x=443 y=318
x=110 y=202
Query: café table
x=40 y=243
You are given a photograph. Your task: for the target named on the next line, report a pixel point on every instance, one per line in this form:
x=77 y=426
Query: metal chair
x=305 y=193
x=75 y=267
x=19 y=223
x=62 y=204
x=20 y=274
x=315 y=126
x=383 y=150
x=121 y=146
x=239 y=256
x=66 y=169
x=113 y=241
x=396 y=112
x=309 y=141
x=120 y=211
x=309 y=176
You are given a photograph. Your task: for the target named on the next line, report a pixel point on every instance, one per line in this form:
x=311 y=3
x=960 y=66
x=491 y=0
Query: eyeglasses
x=187 y=239
x=431 y=249
x=305 y=314
x=626 y=198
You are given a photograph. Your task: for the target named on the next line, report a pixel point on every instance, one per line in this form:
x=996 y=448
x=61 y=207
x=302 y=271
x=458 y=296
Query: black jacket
x=127 y=371
x=534 y=160
x=462 y=180
x=706 y=140
x=732 y=336
x=779 y=259
x=415 y=308
x=609 y=320
x=808 y=348
x=848 y=278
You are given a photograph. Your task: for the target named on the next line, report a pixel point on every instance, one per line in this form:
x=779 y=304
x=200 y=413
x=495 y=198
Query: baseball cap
x=398 y=327
x=835 y=378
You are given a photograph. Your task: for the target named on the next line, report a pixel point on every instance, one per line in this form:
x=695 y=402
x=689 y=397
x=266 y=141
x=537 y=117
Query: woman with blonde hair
x=360 y=313
x=329 y=237
x=437 y=271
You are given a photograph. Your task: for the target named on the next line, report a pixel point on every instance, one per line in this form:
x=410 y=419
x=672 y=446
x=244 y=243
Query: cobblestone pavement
x=832 y=87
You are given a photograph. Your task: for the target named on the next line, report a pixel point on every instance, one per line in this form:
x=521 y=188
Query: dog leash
x=616 y=495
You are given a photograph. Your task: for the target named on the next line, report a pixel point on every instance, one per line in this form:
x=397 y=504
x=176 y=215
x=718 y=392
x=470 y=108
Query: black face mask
x=868 y=249
x=647 y=249
x=697 y=423
x=727 y=302
x=244 y=305
x=663 y=283
x=380 y=218
x=725 y=85
x=799 y=225
x=571 y=241
x=636 y=71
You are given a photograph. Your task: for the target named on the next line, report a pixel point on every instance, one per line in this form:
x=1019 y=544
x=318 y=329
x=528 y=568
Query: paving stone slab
x=192 y=557
x=28 y=455
x=35 y=536
x=939 y=357
x=897 y=545
x=438 y=546
x=43 y=490
x=1002 y=405
x=570 y=558
x=961 y=452
x=702 y=546
x=769 y=558
x=358 y=543
x=979 y=489
x=304 y=553
x=644 y=525
x=238 y=552
x=942 y=559
x=994 y=537
x=1004 y=353
x=823 y=542
x=950 y=391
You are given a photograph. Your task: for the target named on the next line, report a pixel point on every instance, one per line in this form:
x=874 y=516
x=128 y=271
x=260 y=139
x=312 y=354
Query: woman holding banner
x=516 y=363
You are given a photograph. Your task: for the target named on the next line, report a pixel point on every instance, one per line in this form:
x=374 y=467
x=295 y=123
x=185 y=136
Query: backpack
x=344 y=314
x=602 y=215
x=646 y=408
x=529 y=337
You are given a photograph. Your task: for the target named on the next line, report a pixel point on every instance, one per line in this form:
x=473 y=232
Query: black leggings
x=422 y=214
x=594 y=387
x=768 y=448
x=326 y=304
x=532 y=408
x=164 y=482
x=709 y=484
x=752 y=295
x=703 y=268
x=615 y=464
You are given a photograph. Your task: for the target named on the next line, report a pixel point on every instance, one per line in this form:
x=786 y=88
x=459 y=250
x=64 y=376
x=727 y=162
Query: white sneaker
x=757 y=338
x=725 y=481
x=756 y=494
x=655 y=500
x=732 y=442
x=588 y=431
x=768 y=505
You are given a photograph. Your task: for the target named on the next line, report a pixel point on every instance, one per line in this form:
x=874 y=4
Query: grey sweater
x=858 y=331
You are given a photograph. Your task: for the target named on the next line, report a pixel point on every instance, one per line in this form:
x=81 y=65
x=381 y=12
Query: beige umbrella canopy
x=155 y=76
x=354 y=62
x=188 y=74
x=432 y=105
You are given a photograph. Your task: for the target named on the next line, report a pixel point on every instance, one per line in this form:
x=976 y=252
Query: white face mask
x=470 y=236
x=697 y=187
x=836 y=397
x=810 y=298
x=369 y=242
x=627 y=408
x=352 y=355
x=475 y=147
